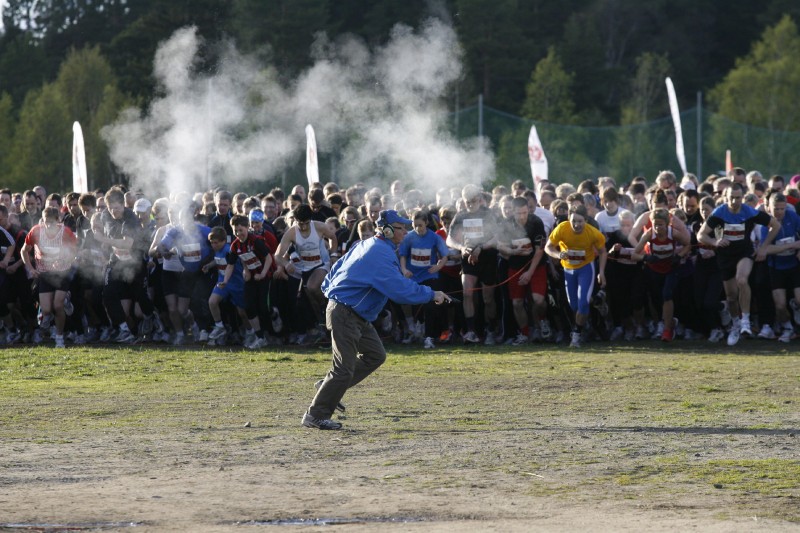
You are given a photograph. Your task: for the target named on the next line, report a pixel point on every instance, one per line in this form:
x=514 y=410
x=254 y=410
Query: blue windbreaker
x=368 y=276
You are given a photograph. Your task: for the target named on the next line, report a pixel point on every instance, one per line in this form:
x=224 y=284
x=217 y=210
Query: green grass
x=632 y=422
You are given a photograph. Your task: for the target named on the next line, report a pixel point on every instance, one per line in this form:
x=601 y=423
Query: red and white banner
x=676 y=121
x=537 y=157
x=312 y=164
x=80 y=182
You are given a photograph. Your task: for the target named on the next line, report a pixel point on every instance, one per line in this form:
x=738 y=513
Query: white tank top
x=308 y=248
x=173 y=264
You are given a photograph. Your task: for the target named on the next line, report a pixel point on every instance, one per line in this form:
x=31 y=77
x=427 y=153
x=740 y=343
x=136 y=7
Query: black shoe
x=339 y=406
x=319 y=423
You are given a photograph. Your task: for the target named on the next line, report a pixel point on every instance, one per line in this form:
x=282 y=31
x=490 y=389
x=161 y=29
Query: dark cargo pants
x=357 y=352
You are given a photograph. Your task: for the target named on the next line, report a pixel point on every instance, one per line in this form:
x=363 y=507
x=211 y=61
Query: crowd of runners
x=622 y=262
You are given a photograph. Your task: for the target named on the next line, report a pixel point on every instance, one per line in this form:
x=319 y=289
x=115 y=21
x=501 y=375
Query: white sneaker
x=617 y=334
x=105 y=334
x=179 y=338
x=735 y=333
x=795 y=310
x=544 y=329
x=725 y=315
x=744 y=328
x=428 y=344
x=60 y=341
x=716 y=335
x=640 y=333
x=575 y=340
x=409 y=338
x=766 y=332
x=203 y=336
x=68 y=307
x=259 y=342
x=489 y=340
x=217 y=332
x=659 y=330
x=386 y=321
x=470 y=337
x=786 y=335
x=37 y=336
x=519 y=340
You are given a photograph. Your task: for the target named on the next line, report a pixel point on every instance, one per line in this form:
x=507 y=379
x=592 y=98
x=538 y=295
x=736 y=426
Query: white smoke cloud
x=382 y=112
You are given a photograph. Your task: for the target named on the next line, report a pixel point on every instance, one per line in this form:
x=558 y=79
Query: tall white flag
x=676 y=120
x=80 y=182
x=537 y=157
x=312 y=164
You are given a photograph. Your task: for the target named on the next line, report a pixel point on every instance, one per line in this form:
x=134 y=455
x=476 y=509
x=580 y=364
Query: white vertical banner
x=538 y=159
x=676 y=121
x=312 y=164
x=80 y=182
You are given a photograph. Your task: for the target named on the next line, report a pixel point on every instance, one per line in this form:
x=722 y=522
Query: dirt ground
x=398 y=466
x=184 y=484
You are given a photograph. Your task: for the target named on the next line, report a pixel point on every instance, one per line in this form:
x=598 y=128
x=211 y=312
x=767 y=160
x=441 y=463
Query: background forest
x=589 y=73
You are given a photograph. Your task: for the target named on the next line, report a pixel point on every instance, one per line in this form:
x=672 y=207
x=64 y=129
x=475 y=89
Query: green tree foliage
x=89 y=89
x=7 y=125
x=41 y=152
x=132 y=50
x=634 y=151
x=495 y=48
x=23 y=65
x=761 y=91
x=283 y=28
x=548 y=95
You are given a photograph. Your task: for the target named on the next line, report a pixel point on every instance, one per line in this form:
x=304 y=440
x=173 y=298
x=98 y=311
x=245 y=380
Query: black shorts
x=728 y=264
x=53 y=281
x=788 y=279
x=485 y=270
x=169 y=282
x=187 y=282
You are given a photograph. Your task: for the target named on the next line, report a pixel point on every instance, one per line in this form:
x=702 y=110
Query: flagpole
x=700 y=135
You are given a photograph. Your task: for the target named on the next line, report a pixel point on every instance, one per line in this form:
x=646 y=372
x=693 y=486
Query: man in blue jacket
x=357 y=288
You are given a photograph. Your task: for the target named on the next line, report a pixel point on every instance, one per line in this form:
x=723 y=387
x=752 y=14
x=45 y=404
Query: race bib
x=662 y=251
x=733 y=232
x=250 y=261
x=191 y=252
x=576 y=257
x=786 y=240
x=473 y=229
x=524 y=243
x=421 y=257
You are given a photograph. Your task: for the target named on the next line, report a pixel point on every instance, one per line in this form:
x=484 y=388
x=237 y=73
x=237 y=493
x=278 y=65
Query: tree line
x=572 y=62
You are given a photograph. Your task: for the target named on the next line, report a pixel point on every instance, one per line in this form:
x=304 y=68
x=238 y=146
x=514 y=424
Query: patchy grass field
x=626 y=438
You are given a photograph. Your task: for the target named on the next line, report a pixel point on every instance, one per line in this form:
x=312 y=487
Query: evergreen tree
x=42 y=148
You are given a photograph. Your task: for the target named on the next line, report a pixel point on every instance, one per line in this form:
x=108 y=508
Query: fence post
x=700 y=136
x=480 y=115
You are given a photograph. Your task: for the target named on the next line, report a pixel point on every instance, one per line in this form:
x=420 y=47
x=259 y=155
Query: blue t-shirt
x=790 y=229
x=421 y=253
x=192 y=245
x=222 y=260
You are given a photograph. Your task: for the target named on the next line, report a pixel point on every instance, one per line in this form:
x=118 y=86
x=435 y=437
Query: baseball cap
x=256 y=215
x=795 y=180
x=142 y=205
x=389 y=217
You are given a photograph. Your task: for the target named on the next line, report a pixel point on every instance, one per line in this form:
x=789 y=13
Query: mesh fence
x=575 y=153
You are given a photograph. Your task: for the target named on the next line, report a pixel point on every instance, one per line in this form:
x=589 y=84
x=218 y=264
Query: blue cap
x=389 y=217
x=256 y=215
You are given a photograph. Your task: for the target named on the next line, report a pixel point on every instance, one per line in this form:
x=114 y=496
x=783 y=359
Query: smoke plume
x=380 y=111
